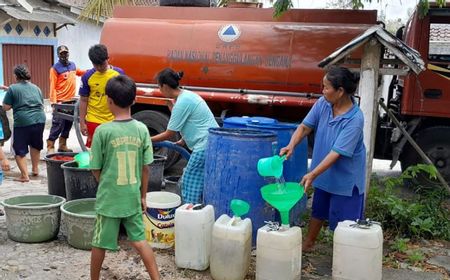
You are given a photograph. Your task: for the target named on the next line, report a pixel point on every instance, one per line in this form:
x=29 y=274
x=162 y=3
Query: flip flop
x=22 y=180
x=34 y=174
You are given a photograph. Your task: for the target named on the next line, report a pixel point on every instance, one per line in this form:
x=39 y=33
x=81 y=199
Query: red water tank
x=231 y=48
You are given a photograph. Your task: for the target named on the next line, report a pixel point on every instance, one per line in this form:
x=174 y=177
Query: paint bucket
x=159 y=219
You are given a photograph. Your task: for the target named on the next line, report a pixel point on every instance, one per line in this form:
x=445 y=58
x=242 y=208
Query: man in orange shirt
x=62 y=89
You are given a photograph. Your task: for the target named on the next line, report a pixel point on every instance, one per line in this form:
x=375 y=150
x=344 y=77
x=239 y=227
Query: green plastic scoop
x=83 y=159
x=271 y=166
x=283 y=197
x=239 y=207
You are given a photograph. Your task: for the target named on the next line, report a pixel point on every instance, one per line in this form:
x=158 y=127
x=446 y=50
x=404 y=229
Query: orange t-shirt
x=63 y=81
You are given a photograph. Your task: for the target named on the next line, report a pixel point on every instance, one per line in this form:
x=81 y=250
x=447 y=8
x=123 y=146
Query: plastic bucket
x=231 y=159
x=79 y=218
x=55 y=175
x=242 y=122
x=80 y=182
x=33 y=218
x=159 y=219
x=156 y=173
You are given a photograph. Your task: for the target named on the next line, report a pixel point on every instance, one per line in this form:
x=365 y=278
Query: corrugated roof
x=38 y=14
x=407 y=55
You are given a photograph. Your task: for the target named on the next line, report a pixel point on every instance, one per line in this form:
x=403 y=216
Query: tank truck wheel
x=435 y=142
x=156 y=123
x=192 y=3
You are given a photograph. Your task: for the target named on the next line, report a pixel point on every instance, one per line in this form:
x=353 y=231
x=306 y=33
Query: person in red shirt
x=62 y=90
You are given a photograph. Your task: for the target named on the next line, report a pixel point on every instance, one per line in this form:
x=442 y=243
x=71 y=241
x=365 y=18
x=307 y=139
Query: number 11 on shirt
x=122 y=178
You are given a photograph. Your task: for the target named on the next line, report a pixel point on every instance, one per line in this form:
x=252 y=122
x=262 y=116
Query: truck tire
x=156 y=123
x=434 y=141
x=185 y=3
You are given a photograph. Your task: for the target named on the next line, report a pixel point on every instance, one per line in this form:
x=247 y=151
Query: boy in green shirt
x=121 y=151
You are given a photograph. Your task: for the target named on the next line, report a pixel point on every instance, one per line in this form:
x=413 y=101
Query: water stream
x=281 y=184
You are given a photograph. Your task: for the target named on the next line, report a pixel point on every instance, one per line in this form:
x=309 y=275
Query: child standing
x=121 y=151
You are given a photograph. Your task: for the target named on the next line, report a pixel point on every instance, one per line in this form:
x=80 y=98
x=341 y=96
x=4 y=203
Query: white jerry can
x=193 y=228
x=231 y=248
x=278 y=253
x=357 y=250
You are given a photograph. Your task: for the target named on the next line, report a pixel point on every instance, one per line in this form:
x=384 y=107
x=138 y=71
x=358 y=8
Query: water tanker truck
x=243 y=62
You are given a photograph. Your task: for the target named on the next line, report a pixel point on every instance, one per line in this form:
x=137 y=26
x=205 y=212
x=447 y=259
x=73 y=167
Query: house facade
x=30 y=32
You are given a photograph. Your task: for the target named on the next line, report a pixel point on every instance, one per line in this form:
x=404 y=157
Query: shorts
x=106 y=231
x=31 y=135
x=337 y=208
x=91 y=129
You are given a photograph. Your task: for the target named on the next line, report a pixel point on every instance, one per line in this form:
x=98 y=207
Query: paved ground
x=57 y=260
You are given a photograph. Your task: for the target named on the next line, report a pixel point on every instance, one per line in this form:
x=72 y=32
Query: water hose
x=171 y=145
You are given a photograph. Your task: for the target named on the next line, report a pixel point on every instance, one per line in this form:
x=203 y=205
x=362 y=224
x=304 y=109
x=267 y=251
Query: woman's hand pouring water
x=287 y=151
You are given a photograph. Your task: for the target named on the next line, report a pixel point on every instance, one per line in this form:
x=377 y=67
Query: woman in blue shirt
x=192 y=118
x=337 y=169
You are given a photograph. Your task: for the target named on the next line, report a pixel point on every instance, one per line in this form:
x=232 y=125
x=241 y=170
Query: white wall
x=79 y=39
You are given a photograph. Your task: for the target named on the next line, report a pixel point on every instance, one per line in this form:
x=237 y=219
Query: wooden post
x=368 y=90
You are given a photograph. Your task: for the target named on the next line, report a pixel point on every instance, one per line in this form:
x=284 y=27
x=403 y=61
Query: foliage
x=422 y=216
x=415 y=257
x=405 y=252
x=400 y=245
x=98 y=9
x=424 y=6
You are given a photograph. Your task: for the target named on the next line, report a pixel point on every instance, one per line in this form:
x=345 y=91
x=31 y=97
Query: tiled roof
x=440 y=32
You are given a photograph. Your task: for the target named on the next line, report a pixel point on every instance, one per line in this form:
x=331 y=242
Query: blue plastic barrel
x=241 y=122
x=296 y=166
x=230 y=172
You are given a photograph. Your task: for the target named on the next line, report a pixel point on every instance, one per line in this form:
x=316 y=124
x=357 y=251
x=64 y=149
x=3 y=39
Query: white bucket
x=159 y=219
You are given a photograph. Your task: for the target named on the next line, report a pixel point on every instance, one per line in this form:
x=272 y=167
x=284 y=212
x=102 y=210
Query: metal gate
x=39 y=59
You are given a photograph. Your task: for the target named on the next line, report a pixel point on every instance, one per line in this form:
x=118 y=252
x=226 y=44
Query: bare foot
x=35 y=172
x=307 y=246
x=22 y=179
x=5 y=165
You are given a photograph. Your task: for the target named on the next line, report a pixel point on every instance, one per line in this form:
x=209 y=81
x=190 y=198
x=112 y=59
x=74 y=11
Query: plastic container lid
x=245 y=120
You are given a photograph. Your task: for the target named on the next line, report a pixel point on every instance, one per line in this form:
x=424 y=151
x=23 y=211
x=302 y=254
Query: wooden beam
x=368 y=90
x=391 y=61
x=387 y=71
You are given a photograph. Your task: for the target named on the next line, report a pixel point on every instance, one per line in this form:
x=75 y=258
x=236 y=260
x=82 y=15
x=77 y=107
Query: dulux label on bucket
x=159 y=227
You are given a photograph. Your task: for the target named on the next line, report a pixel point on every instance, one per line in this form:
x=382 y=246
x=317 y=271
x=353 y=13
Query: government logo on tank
x=229 y=33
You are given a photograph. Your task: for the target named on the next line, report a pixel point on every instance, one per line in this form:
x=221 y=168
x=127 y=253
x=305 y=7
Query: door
x=39 y=59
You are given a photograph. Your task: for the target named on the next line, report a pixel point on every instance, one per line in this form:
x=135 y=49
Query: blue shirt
x=344 y=135
x=192 y=117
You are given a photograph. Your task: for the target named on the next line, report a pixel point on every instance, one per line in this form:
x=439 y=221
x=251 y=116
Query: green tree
x=97 y=9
